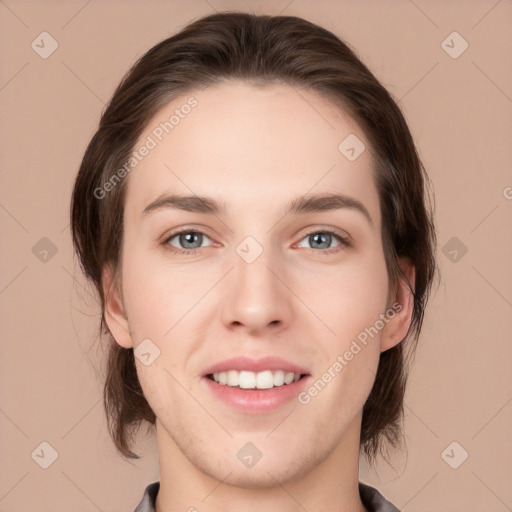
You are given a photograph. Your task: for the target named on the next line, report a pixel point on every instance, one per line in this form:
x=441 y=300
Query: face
x=254 y=279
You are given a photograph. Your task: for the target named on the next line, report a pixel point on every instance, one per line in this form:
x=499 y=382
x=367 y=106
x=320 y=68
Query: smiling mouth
x=261 y=393
x=297 y=378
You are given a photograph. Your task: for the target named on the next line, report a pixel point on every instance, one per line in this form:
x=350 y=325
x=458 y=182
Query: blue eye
x=186 y=238
x=191 y=241
x=325 y=237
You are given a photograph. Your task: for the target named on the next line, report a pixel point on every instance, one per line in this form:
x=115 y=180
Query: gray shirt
x=371 y=498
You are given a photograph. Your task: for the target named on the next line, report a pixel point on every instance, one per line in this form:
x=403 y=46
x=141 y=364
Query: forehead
x=239 y=143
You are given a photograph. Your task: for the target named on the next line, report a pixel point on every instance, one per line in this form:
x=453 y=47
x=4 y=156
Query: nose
x=257 y=298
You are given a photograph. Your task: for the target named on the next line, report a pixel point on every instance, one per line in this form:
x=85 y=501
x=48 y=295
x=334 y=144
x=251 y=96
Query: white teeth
x=251 y=380
x=232 y=379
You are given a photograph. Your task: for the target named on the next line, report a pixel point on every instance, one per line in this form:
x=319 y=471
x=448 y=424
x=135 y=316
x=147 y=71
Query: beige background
x=459 y=110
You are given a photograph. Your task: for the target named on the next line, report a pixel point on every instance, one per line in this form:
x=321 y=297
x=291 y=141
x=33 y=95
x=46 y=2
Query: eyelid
x=329 y=229
x=186 y=229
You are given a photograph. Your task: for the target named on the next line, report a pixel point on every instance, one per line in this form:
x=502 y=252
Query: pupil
x=188 y=237
x=316 y=236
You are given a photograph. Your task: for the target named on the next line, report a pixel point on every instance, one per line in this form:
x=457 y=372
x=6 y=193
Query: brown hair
x=257 y=49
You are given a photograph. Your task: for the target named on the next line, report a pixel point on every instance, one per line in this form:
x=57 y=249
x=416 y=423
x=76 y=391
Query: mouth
x=249 y=381
x=250 y=396
x=250 y=385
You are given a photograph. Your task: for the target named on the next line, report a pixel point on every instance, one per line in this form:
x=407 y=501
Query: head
x=261 y=105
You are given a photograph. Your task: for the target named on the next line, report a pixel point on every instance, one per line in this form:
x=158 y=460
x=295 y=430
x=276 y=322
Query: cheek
x=350 y=305
x=348 y=298
x=158 y=296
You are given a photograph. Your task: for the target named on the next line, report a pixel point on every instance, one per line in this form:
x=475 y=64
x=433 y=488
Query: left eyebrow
x=327 y=202
x=298 y=206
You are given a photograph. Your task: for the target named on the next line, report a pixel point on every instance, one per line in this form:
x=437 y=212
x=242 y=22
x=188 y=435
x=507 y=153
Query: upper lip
x=240 y=363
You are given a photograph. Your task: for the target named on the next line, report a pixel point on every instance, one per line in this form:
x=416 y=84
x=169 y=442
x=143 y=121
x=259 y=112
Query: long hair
x=257 y=49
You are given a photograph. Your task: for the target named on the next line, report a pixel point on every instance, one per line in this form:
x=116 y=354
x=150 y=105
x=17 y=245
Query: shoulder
x=147 y=504
x=374 y=501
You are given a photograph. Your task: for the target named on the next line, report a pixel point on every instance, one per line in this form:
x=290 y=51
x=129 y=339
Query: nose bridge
x=256 y=297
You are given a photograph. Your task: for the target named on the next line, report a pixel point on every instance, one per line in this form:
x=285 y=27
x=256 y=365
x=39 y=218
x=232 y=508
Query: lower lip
x=256 y=400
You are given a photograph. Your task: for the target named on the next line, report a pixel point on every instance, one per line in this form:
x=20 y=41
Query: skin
x=255 y=149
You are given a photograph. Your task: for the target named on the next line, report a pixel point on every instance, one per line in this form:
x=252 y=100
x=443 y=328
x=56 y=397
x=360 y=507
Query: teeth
x=251 y=380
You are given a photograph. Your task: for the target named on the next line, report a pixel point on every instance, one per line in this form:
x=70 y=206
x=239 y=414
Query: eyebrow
x=301 y=205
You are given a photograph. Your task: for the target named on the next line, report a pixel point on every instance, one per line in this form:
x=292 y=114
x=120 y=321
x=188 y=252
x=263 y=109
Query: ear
x=115 y=315
x=402 y=303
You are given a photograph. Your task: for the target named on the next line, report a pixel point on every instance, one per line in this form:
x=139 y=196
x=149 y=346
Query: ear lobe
x=115 y=316
x=398 y=326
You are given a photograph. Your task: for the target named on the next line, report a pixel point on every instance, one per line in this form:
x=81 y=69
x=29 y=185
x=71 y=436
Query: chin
x=267 y=474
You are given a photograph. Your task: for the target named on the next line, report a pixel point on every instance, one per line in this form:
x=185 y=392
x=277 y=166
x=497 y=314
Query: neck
x=329 y=485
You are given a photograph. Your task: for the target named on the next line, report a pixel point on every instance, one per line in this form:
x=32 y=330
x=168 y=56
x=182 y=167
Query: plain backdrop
x=458 y=103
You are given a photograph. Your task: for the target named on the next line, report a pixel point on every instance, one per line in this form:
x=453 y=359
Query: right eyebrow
x=187 y=203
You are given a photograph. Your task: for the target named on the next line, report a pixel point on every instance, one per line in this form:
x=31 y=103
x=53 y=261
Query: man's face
x=256 y=281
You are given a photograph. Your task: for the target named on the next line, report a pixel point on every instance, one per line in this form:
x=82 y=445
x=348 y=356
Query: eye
x=322 y=239
x=189 y=239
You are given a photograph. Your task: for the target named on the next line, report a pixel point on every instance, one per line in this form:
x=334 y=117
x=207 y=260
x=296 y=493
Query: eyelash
x=344 y=242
